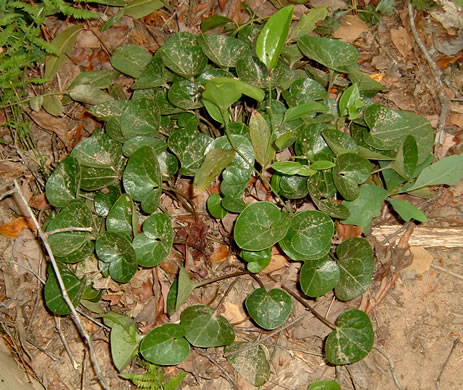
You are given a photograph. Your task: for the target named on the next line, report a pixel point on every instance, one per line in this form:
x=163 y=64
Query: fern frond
x=44 y=45
x=69 y=10
x=7 y=19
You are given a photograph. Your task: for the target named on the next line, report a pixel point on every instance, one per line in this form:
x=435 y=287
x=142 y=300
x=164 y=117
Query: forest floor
x=419 y=319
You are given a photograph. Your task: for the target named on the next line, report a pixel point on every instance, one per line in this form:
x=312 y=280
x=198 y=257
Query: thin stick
x=383 y=352
x=74 y=315
x=65 y=343
x=447 y=271
x=69 y=229
x=455 y=342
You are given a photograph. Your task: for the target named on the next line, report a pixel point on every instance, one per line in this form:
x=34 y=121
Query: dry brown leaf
x=11 y=170
x=402 y=40
x=347 y=231
x=13 y=228
x=39 y=202
x=350 y=29
x=234 y=313
x=220 y=254
x=422 y=260
x=277 y=262
x=59 y=126
x=456 y=120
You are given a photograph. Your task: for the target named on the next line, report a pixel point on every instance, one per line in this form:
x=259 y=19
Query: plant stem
x=30 y=98
x=219 y=278
x=64 y=292
x=311 y=309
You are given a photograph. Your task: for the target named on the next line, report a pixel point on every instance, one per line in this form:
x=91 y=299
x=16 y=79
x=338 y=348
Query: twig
x=383 y=352
x=65 y=343
x=8 y=193
x=270 y=335
x=69 y=229
x=455 y=342
x=447 y=271
x=74 y=315
x=443 y=99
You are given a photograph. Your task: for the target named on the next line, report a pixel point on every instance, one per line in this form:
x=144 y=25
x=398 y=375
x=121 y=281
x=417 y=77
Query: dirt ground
x=418 y=324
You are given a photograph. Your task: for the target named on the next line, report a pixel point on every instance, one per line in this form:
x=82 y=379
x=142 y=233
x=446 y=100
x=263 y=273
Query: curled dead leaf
x=13 y=228
x=219 y=254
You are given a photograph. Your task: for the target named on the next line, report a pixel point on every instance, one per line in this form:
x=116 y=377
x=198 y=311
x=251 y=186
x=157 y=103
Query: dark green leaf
x=322 y=198
x=407 y=158
x=253 y=71
x=324 y=385
x=93 y=179
x=140 y=118
x=215 y=161
x=154 y=244
x=339 y=142
x=304 y=91
x=308 y=22
x=64 y=183
x=214 y=21
x=309 y=236
x=350 y=171
x=304 y=109
x=269 y=309
x=116 y=250
x=130 y=60
x=141 y=8
x=120 y=217
x=260 y=226
x=98 y=151
x=206 y=329
x=214 y=206
x=135 y=143
x=406 y=210
x=311 y=144
x=80 y=254
x=222 y=50
x=352 y=340
x=317 y=277
x=257 y=261
x=165 y=345
x=185 y=94
x=294 y=187
x=355 y=261
x=153 y=75
x=89 y=94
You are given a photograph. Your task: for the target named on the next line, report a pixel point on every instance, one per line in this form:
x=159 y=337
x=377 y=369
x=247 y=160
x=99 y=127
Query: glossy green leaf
x=407 y=158
x=350 y=103
x=184 y=289
x=214 y=206
x=304 y=91
x=116 y=250
x=304 y=109
x=273 y=35
x=142 y=174
x=350 y=171
x=309 y=236
x=206 y=329
x=322 y=165
x=154 y=244
x=80 y=254
x=214 y=21
x=332 y=53
x=93 y=179
x=140 y=118
x=135 y=143
x=124 y=338
x=294 y=187
x=165 y=345
x=292 y=168
x=89 y=94
x=308 y=22
x=154 y=75
x=234 y=182
x=260 y=226
x=52 y=292
x=253 y=71
x=406 y=210
x=64 y=42
x=257 y=260
x=324 y=385
x=189 y=147
x=448 y=171
x=96 y=78
x=130 y=60
x=322 y=198
x=356 y=263
x=64 y=183
x=243 y=145
x=261 y=139
x=181 y=54
x=98 y=151
x=352 y=340
x=251 y=364
x=108 y=110
x=141 y=8
x=75 y=215
x=121 y=216
x=269 y=309
x=233 y=205
x=367 y=206
x=311 y=144
x=317 y=277
x=222 y=50
x=214 y=163
x=358 y=134
x=185 y=94
x=339 y=142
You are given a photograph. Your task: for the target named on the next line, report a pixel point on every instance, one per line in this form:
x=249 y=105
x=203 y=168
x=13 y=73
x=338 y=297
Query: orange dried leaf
x=220 y=254
x=377 y=76
x=39 y=202
x=348 y=231
x=277 y=262
x=13 y=228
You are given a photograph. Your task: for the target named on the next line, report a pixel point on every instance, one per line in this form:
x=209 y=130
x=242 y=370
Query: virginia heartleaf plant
x=291 y=110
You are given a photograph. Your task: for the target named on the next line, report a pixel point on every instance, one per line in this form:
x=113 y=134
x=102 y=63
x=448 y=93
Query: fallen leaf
x=13 y=228
x=59 y=126
x=348 y=231
x=219 y=254
x=276 y=262
x=39 y=202
x=422 y=260
x=350 y=29
x=456 y=120
x=402 y=40
x=11 y=170
x=234 y=313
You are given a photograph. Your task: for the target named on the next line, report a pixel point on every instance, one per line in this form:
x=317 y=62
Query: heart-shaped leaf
x=407 y=158
x=317 y=277
x=122 y=217
x=273 y=35
x=269 y=309
x=105 y=200
x=141 y=117
x=304 y=91
x=80 y=254
x=251 y=364
x=350 y=171
x=234 y=182
x=130 y=60
x=311 y=144
x=189 y=147
x=204 y=328
x=116 y=250
x=223 y=50
x=154 y=244
x=352 y=340
x=309 y=236
x=260 y=226
x=75 y=215
x=181 y=54
x=257 y=261
x=355 y=261
x=334 y=54
x=366 y=207
x=165 y=345
x=339 y=142
x=185 y=94
x=64 y=183
x=253 y=71
x=214 y=206
x=53 y=294
x=293 y=187
x=98 y=151
x=135 y=143
x=93 y=179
